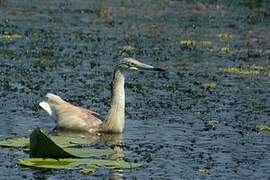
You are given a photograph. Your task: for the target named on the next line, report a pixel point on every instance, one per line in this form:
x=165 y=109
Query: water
x=174 y=126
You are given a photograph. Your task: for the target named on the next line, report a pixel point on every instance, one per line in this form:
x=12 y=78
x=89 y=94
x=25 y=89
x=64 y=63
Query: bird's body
x=70 y=117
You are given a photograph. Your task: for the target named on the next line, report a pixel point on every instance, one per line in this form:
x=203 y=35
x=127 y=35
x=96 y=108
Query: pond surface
x=196 y=121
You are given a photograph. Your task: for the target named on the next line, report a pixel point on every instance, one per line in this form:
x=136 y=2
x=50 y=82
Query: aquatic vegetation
x=208 y=86
x=225 y=36
x=191 y=42
x=240 y=71
x=203 y=170
x=249 y=70
x=106 y=12
x=258 y=67
x=127 y=49
x=69 y=47
x=38 y=141
x=84 y=165
x=62 y=141
x=18 y=142
x=123 y=8
x=224 y=49
x=211 y=124
x=45 y=153
x=9 y=36
x=210 y=44
x=86 y=152
x=263 y=127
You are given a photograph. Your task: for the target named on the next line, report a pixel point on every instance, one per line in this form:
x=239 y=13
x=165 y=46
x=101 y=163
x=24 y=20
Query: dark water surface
x=192 y=122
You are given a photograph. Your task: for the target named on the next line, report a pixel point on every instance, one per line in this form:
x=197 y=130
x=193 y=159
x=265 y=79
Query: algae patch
x=127 y=49
x=203 y=170
x=9 y=36
x=249 y=70
x=190 y=42
x=263 y=127
x=225 y=36
x=240 y=71
x=208 y=86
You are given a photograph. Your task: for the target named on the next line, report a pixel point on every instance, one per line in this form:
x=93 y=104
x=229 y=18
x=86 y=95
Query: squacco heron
x=73 y=118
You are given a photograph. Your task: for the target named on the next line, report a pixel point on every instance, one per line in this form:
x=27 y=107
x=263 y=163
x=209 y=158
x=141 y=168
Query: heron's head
x=133 y=64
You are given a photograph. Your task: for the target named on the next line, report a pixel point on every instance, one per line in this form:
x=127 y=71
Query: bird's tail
x=50 y=103
x=46 y=107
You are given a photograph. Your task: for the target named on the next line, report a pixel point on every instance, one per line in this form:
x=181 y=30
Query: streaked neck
x=115 y=119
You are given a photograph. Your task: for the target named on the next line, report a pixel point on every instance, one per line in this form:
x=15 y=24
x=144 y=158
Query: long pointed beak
x=143 y=66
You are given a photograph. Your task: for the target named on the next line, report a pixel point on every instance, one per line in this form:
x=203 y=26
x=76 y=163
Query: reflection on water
x=115 y=141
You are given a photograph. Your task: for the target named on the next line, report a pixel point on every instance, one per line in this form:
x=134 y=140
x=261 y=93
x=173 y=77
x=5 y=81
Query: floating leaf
x=47 y=154
x=69 y=144
x=203 y=170
x=225 y=36
x=264 y=127
x=42 y=146
x=257 y=67
x=67 y=163
x=224 y=49
x=211 y=124
x=70 y=141
x=205 y=43
x=62 y=141
x=208 y=86
x=240 y=71
x=10 y=36
x=18 y=142
x=86 y=165
x=190 y=42
x=89 y=152
x=249 y=70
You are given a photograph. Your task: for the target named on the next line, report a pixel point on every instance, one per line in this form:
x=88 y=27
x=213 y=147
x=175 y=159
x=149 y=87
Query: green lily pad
x=62 y=141
x=18 y=142
x=43 y=146
x=67 y=143
x=86 y=165
x=71 y=141
x=45 y=153
x=89 y=152
x=66 y=163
